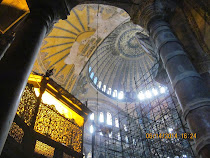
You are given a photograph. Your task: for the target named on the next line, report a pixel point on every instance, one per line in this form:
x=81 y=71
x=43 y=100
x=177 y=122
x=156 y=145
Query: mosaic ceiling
x=71 y=43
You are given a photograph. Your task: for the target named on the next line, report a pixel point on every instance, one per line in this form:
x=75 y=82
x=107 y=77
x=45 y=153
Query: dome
x=120 y=61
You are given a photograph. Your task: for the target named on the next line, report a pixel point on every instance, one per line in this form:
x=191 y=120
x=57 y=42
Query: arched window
x=91 y=129
x=109 y=91
x=95 y=80
x=115 y=93
x=109 y=118
x=104 y=88
x=134 y=141
x=90 y=69
x=91 y=75
x=120 y=95
x=116 y=122
x=89 y=155
x=118 y=136
x=92 y=116
x=126 y=139
x=125 y=128
x=101 y=117
x=99 y=84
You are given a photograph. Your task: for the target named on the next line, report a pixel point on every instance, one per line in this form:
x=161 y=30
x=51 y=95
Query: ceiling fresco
x=71 y=43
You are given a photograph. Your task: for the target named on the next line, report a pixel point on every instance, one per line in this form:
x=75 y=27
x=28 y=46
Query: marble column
x=17 y=63
x=190 y=88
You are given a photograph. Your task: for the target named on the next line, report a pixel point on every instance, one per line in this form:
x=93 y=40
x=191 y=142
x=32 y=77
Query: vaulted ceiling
x=102 y=36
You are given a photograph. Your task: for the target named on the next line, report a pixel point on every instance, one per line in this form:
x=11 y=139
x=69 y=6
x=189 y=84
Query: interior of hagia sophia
x=109 y=81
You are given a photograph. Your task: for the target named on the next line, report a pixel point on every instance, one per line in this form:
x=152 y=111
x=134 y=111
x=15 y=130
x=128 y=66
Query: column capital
x=150 y=10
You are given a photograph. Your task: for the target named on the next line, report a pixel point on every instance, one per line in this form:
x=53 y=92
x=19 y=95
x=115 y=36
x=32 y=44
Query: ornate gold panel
x=16 y=132
x=44 y=149
x=27 y=105
x=51 y=123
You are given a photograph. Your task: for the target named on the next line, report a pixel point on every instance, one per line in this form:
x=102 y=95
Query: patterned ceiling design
x=72 y=42
x=121 y=59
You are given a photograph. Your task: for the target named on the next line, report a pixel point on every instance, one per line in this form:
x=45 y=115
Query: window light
x=92 y=116
x=91 y=75
x=110 y=135
x=162 y=90
x=141 y=96
x=109 y=91
x=91 y=129
x=148 y=94
x=115 y=93
x=101 y=117
x=99 y=84
x=120 y=95
x=170 y=130
x=104 y=88
x=90 y=69
x=125 y=128
x=118 y=136
x=154 y=91
x=109 y=118
x=116 y=122
x=126 y=139
x=95 y=80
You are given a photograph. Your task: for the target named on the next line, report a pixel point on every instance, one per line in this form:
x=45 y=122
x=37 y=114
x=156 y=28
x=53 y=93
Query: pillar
x=18 y=61
x=5 y=42
x=190 y=88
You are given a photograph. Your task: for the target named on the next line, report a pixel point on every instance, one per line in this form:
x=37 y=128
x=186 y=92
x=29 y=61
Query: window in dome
x=104 y=88
x=92 y=116
x=109 y=118
x=91 y=75
x=95 y=80
x=99 y=84
x=116 y=122
x=90 y=69
x=125 y=128
x=120 y=95
x=101 y=117
x=115 y=93
x=109 y=91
